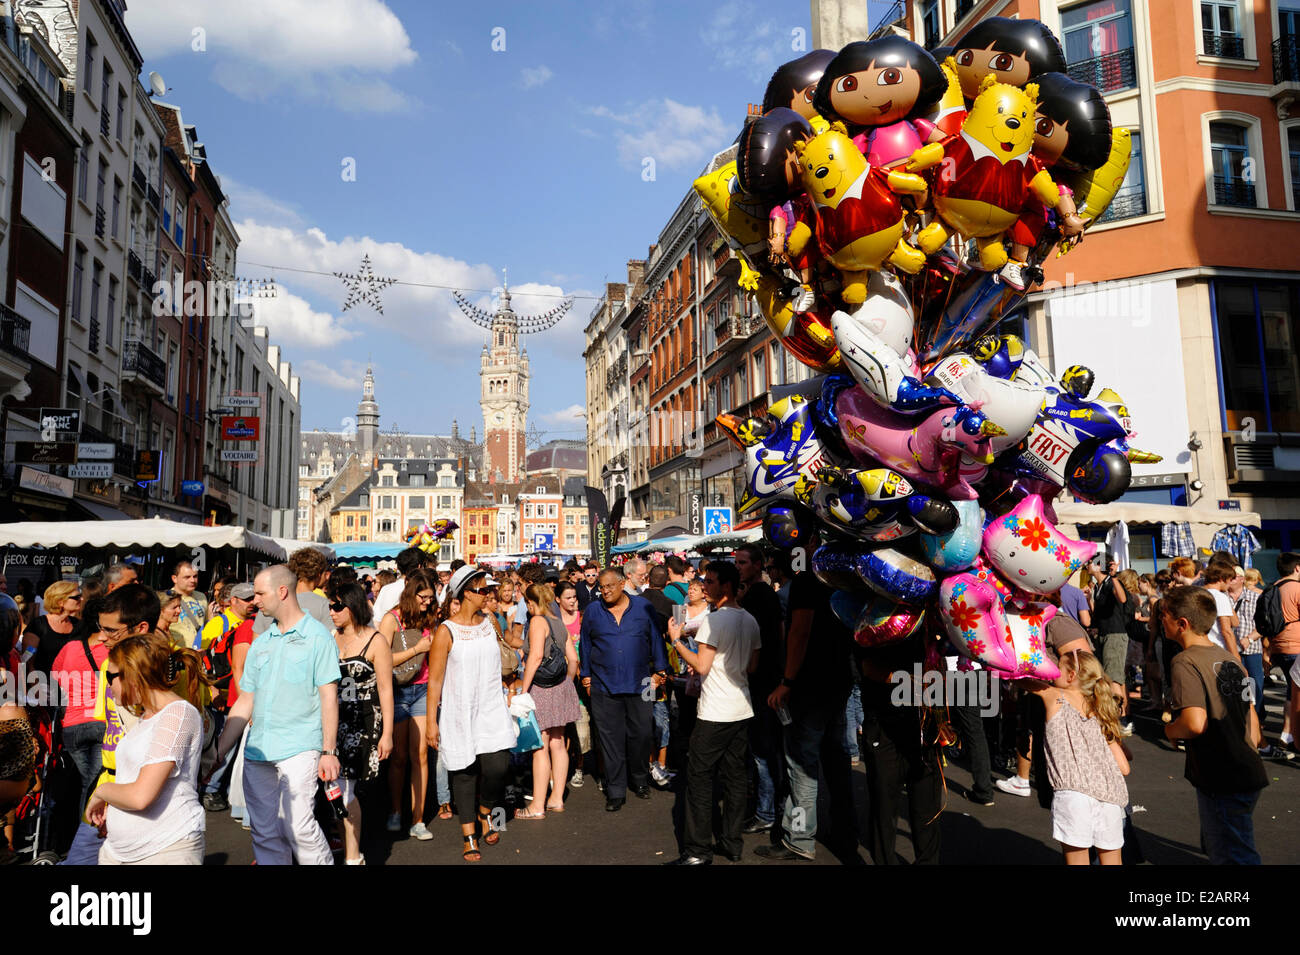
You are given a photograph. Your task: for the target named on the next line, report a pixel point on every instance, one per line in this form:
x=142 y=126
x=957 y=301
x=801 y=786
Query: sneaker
x=805 y=299
x=1012 y=276
x=418 y=831
x=577 y=779
x=1275 y=752
x=660 y=775
x=600 y=784
x=359 y=860
x=215 y=802
x=1015 y=786
x=395 y=822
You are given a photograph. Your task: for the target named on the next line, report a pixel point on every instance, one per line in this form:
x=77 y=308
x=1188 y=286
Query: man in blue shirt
x=289 y=689
x=624 y=660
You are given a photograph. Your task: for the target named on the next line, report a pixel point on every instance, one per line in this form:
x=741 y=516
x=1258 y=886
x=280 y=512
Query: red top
x=868 y=207
x=986 y=179
x=78 y=681
x=241 y=634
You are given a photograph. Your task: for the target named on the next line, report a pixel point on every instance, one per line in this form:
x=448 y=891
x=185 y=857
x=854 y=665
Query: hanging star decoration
x=525 y=324
x=365 y=286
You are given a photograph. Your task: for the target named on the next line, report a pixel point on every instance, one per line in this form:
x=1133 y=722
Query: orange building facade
x=1186 y=297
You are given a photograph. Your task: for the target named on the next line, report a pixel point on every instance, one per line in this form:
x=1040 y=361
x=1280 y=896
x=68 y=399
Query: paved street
x=1015 y=831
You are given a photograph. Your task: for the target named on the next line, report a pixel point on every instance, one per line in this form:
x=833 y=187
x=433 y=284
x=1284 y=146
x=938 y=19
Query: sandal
x=444 y=811
x=491 y=837
x=530 y=814
x=550 y=808
x=471 y=853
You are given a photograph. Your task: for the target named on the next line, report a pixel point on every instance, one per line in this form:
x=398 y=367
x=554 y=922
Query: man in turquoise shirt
x=289 y=689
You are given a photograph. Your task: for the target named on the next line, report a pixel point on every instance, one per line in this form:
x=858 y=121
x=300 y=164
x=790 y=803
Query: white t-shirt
x=733 y=634
x=1222 y=608
x=173 y=734
x=388 y=597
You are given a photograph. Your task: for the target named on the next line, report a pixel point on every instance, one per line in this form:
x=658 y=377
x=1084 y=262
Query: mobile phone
x=679 y=615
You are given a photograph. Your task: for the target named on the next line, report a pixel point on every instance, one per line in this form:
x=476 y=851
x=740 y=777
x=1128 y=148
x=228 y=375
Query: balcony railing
x=1286 y=59
x=1233 y=192
x=154 y=199
x=1110 y=72
x=1126 y=207
x=147 y=278
x=93 y=344
x=139 y=363
x=137 y=178
x=105 y=124
x=67 y=102
x=15 y=332
x=896 y=14
x=133 y=266
x=100 y=219
x=1218 y=44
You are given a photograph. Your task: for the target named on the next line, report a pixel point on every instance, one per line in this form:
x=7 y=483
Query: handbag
x=405 y=673
x=554 y=666
x=529 y=734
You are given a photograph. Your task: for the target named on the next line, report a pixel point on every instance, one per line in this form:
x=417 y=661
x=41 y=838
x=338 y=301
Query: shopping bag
x=528 y=732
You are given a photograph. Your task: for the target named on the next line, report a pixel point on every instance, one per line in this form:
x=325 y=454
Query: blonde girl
x=1086 y=764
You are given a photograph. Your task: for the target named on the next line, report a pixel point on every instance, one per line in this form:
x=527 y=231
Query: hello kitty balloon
x=1028 y=550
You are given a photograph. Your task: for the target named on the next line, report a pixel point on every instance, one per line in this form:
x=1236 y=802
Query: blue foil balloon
x=896 y=576
x=836 y=566
x=957 y=549
x=848 y=607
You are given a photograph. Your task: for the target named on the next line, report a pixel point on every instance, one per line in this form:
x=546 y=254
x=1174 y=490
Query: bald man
x=289 y=689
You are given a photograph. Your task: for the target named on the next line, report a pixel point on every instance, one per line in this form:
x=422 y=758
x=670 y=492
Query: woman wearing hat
x=473 y=732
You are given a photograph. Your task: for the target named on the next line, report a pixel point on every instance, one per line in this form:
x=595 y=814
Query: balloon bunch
x=926 y=460
x=428 y=537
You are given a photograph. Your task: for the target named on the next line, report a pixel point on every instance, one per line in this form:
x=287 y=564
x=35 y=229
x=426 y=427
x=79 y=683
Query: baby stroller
x=33 y=831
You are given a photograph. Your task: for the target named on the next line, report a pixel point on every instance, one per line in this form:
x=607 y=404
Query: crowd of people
x=287 y=699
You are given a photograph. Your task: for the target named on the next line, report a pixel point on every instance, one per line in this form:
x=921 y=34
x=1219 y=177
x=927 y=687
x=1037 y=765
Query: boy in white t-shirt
x=729 y=642
x=1224 y=632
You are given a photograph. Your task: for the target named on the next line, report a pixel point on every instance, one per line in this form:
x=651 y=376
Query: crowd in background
x=464 y=693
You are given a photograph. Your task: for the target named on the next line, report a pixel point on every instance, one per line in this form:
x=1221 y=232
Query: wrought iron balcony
x=133 y=266
x=105 y=124
x=15 y=332
x=1229 y=47
x=137 y=178
x=100 y=218
x=154 y=199
x=67 y=102
x=1233 y=192
x=147 y=278
x=141 y=365
x=93 y=344
x=1125 y=207
x=896 y=14
x=1286 y=59
x=1110 y=72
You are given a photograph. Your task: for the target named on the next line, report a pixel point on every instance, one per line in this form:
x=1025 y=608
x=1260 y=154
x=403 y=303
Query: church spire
x=368 y=415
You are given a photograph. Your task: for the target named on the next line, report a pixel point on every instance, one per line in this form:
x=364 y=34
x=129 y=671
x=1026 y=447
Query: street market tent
x=138 y=534
x=290 y=545
x=684 y=543
x=1205 y=521
x=366 y=550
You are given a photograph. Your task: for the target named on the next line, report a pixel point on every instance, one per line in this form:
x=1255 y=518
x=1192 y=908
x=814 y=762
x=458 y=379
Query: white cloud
x=293 y=322
x=343 y=375
x=316 y=48
x=249 y=202
x=755 y=48
x=674 y=135
x=571 y=417
x=531 y=77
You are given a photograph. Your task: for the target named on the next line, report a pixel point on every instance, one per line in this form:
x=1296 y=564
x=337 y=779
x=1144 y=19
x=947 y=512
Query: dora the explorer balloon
x=986 y=174
x=793 y=84
x=881 y=90
x=858 y=214
x=1012 y=51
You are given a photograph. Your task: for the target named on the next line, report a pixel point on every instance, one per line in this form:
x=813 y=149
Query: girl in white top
x=473 y=731
x=151 y=812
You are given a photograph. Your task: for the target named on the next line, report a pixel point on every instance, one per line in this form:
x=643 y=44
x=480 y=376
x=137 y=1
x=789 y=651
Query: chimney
x=755 y=112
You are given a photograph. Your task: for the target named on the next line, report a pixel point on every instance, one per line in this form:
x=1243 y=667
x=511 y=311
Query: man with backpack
x=219 y=638
x=1277 y=618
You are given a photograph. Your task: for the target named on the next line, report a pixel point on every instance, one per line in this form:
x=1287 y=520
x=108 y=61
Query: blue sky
x=467 y=159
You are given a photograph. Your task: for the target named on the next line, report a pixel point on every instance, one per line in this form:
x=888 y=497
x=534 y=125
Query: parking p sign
x=543 y=542
x=717 y=520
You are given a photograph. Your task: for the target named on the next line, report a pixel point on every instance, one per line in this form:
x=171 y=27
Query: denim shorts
x=410 y=700
x=661 y=722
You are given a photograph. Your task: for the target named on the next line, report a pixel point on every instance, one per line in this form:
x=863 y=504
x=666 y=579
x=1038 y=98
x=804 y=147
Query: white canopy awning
x=125 y=534
x=291 y=545
x=1205 y=521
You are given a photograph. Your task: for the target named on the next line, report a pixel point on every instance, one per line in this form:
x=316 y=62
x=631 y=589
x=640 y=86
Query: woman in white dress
x=151 y=811
x=473 y=731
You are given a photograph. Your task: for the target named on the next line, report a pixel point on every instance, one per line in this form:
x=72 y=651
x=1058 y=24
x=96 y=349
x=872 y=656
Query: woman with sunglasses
x=415 y=610
x=473 y=731
x=59 y=625
x=365 y=705
x=151 y=811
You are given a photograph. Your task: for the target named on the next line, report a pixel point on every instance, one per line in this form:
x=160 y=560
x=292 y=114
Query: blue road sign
x=543 y=542
x=717 y=520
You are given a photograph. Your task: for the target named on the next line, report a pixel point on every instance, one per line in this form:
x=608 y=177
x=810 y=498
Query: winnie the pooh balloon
x=986 y=173
x=859 y=217
x=1027 y=549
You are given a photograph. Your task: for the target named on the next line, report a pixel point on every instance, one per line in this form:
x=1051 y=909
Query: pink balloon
x=973 y=614
x=1028 y=637
x=928 y=449
x=1027 y=549
x=883 y=621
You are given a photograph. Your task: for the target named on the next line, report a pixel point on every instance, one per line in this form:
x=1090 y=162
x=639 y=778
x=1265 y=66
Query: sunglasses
x=112 y=675
x=338 y=608
x=481 y=591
